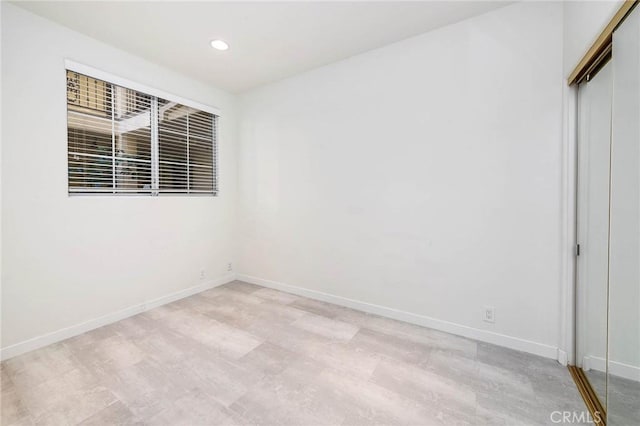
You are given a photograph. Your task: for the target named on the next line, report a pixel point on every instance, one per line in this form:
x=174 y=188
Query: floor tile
x=276 y=296
x=241 y=354
x=326 y=327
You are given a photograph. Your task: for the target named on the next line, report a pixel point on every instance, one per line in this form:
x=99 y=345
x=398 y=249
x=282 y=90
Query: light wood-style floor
x=243 y=354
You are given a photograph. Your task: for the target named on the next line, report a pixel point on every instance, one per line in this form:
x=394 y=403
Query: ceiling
x=268 y=40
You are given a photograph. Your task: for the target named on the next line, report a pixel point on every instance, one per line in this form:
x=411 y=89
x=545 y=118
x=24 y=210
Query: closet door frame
x=569 y=333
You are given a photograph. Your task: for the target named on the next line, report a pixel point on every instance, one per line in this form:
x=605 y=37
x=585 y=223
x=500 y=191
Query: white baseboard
x=626 y=371
x=74 y=330
x=510 y=342
x=563 y=357
x=594 y=363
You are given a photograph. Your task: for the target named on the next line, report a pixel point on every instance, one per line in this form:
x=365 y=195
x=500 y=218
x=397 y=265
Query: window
x=123 y=141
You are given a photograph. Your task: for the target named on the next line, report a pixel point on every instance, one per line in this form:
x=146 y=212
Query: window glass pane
x=185 y=143
x=90 y=173
x=201 y=179
x=89 y=134
x=201 y=124
x=173 y=177
x=200 y=152
x=88 y=142
x=132 y=130
x=172 y=117
x=88 y=95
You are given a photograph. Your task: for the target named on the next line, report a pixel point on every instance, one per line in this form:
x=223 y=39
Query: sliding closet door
x=594 y=135
x=624 y=275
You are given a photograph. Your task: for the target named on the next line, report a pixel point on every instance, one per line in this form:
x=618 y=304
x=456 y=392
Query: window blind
x=122 y=141
x=185 y=141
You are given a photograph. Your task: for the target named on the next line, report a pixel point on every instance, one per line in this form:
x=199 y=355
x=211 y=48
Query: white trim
x=566 y=342
x=594 y=363
x=616 y=368
x=535 y=348
x=74 y=330
x=103 y=75
x=625 y=371
x=563 y=357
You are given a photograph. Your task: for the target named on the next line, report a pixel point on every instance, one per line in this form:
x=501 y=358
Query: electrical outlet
x=489 y=314
x=203 y=274
x=229 y=267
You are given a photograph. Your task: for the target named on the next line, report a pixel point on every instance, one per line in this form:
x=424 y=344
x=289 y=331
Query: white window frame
x=87 y=70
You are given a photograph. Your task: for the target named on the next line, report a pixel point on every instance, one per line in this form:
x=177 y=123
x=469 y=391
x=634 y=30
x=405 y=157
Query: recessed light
x=219 y=44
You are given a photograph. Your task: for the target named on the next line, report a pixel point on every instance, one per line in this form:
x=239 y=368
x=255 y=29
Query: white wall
x=583 y=22
x=424 y=176
x=67 y=260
